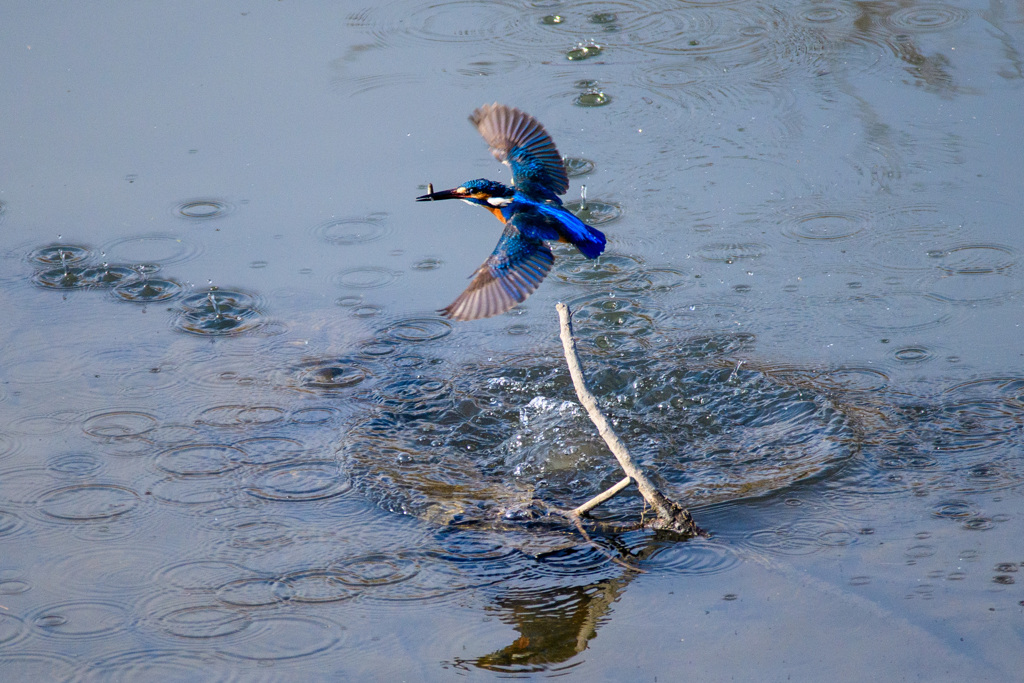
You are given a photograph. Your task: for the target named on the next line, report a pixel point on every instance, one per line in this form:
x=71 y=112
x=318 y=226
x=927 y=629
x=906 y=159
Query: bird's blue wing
x=520 y=141
x=509 y=275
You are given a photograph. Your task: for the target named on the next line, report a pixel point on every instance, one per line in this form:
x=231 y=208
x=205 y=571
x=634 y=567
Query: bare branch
x=670 y=515
x=602 y=497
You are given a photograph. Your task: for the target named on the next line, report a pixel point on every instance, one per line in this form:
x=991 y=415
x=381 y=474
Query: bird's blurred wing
x=519 y=140
x=506 y=278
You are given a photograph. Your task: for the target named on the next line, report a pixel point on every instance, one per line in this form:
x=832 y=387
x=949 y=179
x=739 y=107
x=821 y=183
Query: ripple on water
x=112 y=568
x=608 y=269
x=152 y=665
x=706 y=86
x=827 y=14
x=254 y=592
x=12 y=629
x=414 y=396
x=38 y=666
x=926 y=18
x=577 y=166
x=9 y=444
x=318 y=415
x=107 y=275
x=990 y=476
x=595 y=211
x=652 y=27
x=80 y=620
x=318 y=586
x=357 y=85
x=219 y=312
x=21 y=485
x=75 y=464
x=1008 y=389
x=731 y=252
x=900 y=237
x=200 y=459
x=333 y=376
x=204 y=576
x=575 y=562
x=202 y=209
x=614 y=321
x=259 y=533
x=592 y=96
x=824 y=223
x=188 y=491
x=912 y=354
x=800 y=538
x=954 y=509
x=219 y=299
x=66 y=277
x=60 y=254
x=350 y=231
x=13 y=583
x=696 y=557
x=859 y=378
x=976 y=288
x=450 y=21
x=720 y=33
x=270 y=450
x=489 y=64
x=652 y=280
x=365 y=277
x=376 y=570
x=582 y=51
x=240 y=415
x=34 y=363
x=976 y=259
x=157 y=248
x=88 y=502
x=280 y=637
x=428 y=263
x=301 y=481
x=956 y=444
x=417 y=330
x=907 y=311
x=119 y=424
x=376 y=348
x=976 y=273
x=10 y=523
x=203 y=621
x=147 y=291
x=440 y=577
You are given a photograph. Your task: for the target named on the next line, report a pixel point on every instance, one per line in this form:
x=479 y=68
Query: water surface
x=237 y=442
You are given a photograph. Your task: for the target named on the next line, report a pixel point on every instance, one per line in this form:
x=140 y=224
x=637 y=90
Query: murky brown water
x=237 y=442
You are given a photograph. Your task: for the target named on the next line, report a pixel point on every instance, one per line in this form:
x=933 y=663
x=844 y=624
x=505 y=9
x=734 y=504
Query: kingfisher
x=530 y=210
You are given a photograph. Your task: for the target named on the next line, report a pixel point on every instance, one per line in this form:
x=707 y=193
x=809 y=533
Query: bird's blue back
x=547 y=219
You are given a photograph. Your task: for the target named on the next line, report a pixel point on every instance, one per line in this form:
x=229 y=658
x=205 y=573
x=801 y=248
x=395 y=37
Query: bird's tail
x=591 y=241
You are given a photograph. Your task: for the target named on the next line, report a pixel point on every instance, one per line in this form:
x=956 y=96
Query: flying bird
x=530 y=210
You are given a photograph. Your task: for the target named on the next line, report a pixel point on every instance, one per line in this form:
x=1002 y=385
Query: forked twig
x=602 y=497
x=670 y=516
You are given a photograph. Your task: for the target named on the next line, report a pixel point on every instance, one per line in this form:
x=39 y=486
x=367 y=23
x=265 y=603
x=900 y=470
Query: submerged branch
x=601 y=497
x=671 y=516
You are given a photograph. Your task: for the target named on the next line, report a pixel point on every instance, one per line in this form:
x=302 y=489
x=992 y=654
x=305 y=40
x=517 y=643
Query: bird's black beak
x=443 y=194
